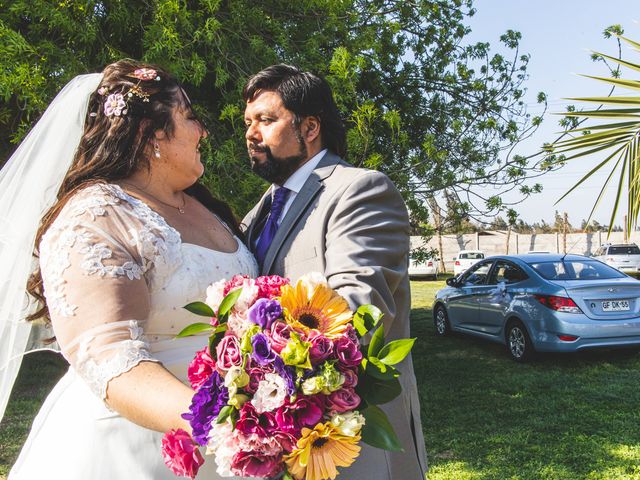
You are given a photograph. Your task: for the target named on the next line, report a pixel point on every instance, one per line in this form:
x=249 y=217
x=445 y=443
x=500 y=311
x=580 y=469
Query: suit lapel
x=256 y=222
x=311 y=188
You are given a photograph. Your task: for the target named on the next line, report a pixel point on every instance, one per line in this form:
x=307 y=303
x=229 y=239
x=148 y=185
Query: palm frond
x=619 y=130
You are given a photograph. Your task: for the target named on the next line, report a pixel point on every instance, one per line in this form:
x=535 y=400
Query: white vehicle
x=623 y=256
x=466 y=259
x=429 y=268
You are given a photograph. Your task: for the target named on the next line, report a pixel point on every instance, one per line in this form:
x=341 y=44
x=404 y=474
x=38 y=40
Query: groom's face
x=274 y=142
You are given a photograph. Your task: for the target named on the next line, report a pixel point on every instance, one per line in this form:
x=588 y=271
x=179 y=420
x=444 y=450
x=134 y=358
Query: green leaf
x=287 y=476
x=366 y=318
x=377 y=391
x=377 y=430
x=225 y=412
x=194 y=329
x=377 y=342
x=375 y=368
x=200 y=308
x=394 y=352
x=227 y=304
x=218 y=333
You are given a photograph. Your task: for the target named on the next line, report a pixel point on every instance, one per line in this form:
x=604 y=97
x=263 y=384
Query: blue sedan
x=542 y=302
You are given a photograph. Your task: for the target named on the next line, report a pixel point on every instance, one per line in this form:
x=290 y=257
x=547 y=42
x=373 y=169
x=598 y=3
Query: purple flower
x=264 y=312
x=262 y=353
x=288 y=373
x=205 y=407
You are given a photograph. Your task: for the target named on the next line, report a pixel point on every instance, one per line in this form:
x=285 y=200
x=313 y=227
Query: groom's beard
x=276 y=169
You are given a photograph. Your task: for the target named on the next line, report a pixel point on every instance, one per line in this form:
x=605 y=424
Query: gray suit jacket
x=351 y=224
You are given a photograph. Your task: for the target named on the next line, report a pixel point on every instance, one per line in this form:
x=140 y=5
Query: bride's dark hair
x=113 y=147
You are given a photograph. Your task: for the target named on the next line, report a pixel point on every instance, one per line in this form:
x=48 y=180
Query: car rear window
x=624 y=250
x=576 y=270
x=472 y=256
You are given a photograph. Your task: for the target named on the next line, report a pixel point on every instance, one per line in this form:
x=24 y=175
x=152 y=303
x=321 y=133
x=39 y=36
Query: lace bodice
x=116 y=276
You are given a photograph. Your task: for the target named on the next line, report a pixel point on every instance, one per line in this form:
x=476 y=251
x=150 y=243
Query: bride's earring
x=156 y=150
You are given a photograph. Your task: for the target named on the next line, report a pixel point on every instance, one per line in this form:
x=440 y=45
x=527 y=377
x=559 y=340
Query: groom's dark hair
x=304 y=94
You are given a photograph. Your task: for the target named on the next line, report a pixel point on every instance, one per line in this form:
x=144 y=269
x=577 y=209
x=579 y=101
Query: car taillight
x=430 y=264
x=559 y=304
x=457 y=263
x=567 y=338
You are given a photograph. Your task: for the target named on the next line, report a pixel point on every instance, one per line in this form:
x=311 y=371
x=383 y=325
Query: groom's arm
x=367 y=244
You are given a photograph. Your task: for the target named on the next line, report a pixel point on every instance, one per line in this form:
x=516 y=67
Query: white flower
x=312 y=279
x=222 y=445
x=215 y=295
x=270 y=394
x=238 y=323
x=248 y=296
x=349 y=423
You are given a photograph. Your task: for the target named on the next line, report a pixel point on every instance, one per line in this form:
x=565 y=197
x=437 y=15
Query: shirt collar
x=297 y=180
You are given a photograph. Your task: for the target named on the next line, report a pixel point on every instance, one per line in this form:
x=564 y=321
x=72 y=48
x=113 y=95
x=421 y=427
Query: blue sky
x=559 y=36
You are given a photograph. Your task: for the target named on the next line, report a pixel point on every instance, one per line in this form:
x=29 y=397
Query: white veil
x=29 y=183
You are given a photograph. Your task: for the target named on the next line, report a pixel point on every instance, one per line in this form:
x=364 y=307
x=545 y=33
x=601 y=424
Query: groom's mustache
x=258 y=148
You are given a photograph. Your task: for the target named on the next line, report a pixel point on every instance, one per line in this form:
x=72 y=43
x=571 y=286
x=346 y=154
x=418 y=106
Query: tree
x=618 y=134
x=419 y=104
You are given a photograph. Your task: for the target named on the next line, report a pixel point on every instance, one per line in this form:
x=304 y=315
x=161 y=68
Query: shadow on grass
x=569 y=416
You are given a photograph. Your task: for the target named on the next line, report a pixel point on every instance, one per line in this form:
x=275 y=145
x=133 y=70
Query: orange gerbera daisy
x=320 y=451
x=312 y=305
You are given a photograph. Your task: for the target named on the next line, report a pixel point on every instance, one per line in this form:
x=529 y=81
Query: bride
x=129 y=239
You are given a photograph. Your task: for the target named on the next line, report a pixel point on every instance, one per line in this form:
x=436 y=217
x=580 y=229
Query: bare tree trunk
x=508 y=239
x=437 y=221
x=565 y=224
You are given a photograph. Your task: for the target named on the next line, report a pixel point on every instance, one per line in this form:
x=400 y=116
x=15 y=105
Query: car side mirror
x=452 y=282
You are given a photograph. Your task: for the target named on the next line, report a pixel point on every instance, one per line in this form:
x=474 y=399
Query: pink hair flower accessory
x=145 y=74
x=115 y=105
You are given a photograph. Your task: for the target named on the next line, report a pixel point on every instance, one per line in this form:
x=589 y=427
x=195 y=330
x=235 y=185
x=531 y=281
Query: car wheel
x=441 y=321
x=518 y=342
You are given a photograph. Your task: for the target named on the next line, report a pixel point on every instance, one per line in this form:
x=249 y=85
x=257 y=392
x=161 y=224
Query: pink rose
x=201 y=367
x=350 y=376
x=343 y=400
x=321 y=347
x=279 y=335
x=270 y=286
x=181 y=454
x=228 y=353
x=347 y=351
x=253 y=464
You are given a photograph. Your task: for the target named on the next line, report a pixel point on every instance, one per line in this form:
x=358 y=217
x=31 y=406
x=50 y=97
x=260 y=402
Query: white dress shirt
x=297 y=180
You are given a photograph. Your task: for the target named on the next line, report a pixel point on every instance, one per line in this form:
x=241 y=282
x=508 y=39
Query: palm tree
x=618 y=135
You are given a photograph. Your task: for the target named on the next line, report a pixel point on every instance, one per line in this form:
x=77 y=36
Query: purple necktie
x=271 y=225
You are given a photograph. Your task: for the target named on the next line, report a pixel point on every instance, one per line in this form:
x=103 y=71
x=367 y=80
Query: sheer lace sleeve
x=94 y=281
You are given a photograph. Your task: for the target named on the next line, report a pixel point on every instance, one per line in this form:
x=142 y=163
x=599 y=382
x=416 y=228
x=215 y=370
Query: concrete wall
x=494 y=243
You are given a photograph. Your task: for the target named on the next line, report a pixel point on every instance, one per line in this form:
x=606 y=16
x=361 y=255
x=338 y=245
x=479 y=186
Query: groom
x=322 y=214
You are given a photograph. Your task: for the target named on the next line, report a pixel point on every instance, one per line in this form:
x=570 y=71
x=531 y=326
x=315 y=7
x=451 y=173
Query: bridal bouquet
x=285 y=387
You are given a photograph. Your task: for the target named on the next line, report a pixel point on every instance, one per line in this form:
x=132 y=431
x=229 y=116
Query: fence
x=495 y=243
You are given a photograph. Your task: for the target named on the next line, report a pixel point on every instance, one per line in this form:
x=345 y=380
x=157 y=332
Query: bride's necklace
x=179 y=208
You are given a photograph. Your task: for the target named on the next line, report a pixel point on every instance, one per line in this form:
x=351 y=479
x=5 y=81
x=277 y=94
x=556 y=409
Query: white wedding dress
x=116 y=276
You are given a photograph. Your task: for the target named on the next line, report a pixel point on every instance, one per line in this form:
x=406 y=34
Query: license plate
x=615 y=305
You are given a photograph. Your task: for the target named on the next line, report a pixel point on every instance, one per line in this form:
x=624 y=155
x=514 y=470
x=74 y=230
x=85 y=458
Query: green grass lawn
x=484 y=416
